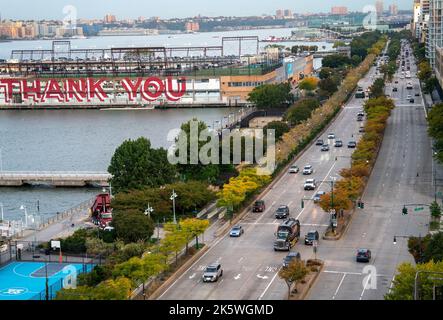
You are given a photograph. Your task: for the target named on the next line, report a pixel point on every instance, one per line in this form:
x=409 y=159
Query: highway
x=402 y=175
x=250 y=264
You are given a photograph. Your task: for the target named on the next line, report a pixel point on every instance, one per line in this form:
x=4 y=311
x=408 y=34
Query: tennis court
x=27 y=280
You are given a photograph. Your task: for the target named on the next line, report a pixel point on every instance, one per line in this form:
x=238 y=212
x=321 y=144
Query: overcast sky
x=53 y=9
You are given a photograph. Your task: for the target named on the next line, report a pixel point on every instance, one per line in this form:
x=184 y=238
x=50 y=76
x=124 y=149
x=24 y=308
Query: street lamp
x=149 y=210
x=173 y=196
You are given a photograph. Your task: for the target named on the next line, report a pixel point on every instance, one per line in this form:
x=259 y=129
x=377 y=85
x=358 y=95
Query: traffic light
x=405 y=211
x=360 y=204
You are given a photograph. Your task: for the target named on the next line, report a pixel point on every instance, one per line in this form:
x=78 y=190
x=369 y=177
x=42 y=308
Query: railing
x=53 y=174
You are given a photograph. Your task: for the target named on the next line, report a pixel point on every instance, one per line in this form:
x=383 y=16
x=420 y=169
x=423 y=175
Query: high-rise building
x=339 y=10
x=109 y=18
x=192 y=26
x=288 y=14
x=393 y=9
x=379 y=7
x=435 y=26
x=279 y=14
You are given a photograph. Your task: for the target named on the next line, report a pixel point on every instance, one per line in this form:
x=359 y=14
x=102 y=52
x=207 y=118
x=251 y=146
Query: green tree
x=377 y=88
x=118 y=289
x=328 y=86
x=296 y=271
x=308 y=84
x=132 y=226
x=195 y=171
x=280 y=128
x=336 y=61
x=135 y=165
x=194 y=227
x=271 y=96
x=434 y=248
x=403 y=285
x=435 y=129
x=339 y=43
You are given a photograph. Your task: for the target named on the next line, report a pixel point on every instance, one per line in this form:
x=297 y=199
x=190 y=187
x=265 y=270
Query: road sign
x=418 y=209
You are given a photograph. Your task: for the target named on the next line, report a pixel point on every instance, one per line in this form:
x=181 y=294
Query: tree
x=280 y=128
x=403 y=284
x=196 y=171
x=434 y=249
x=294 y=272
x=132 y=226
x=335 y=61
x=340 y=201
x=298 y=115
x=328 y=85
x=377 y=88
x=135 y=165
x=308 y=84
x=194 y=227
x=339 y=43
x=435 y=129
x=271 y=96
x=118 y=289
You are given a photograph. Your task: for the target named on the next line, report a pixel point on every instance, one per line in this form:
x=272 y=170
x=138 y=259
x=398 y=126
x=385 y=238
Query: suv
x=311 y=237
x=282 y=212
x=325 y=147
x=394 y=89
x=318 y=195
x=259 y=206
x=212 y=273
x=363 y=255
x=291 y=256
x=331 y=136
x=338 y=144
x=308 y=170
x=310 y=184
x=319 y=142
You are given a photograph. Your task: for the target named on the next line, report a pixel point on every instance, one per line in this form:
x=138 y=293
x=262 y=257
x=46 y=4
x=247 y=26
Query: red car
x=259 y=206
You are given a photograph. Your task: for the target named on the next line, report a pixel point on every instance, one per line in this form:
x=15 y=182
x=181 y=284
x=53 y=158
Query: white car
x=310 y=184
x=308 y=170
x=331 y=136
x=294 y=169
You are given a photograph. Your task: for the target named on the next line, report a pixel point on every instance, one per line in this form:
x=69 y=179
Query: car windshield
x=258 y=203
x=311 y=236
x=282 y=234
x=281 y=209
x=106 y=215
x=211 y=269
x=236 y=228
x=308 y=167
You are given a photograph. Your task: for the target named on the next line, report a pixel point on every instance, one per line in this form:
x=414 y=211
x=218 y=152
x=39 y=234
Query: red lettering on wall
x=53 y=91
x=95 y=89
x=152 y=89
x=172 y=95
x=131 y=87
x=32 y=90
x=76 y=90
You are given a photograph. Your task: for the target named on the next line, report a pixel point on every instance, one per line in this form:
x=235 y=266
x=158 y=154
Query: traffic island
x=301 y=290
x=343 y=222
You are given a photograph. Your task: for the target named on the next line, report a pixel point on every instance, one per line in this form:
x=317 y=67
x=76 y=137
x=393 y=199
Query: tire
x=221 y=274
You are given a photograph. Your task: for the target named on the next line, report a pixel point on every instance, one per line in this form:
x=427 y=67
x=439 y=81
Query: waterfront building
x=435 y=29
x=379 y=7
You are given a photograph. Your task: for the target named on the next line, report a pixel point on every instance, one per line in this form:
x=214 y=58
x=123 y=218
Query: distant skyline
x=131 y=9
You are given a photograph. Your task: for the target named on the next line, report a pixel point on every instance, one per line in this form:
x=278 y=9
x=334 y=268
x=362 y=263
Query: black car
x=411 y=100
x=363 y=255
x=319 y=142
x=352 y=144
x=291 y=256
x=282 y=212
x=338 y=144
x=325 y=147
x=417 y=94
x=259 y=206
x=394 y=89
x=311 y=237
x=359 y=118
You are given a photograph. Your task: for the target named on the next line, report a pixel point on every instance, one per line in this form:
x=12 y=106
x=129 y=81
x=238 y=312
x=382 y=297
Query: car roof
x=213 y=265
x=236 y=227
x=363 y=250
x=309 y=180
x=308 y=166
x=283 y=206
x=293 y=254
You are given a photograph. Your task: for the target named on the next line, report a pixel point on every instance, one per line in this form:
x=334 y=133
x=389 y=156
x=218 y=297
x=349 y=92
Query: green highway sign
x=418 y=209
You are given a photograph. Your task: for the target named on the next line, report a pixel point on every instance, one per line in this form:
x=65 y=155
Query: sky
x=89 y=9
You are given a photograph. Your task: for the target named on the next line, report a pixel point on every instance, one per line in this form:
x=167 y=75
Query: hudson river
x=84 y=140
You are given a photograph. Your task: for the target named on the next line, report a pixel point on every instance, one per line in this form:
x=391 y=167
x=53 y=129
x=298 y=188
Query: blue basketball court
x=27 y=280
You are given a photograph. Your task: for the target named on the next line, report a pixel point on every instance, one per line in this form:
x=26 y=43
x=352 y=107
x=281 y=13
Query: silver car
x=236 y=231
x=212 y=273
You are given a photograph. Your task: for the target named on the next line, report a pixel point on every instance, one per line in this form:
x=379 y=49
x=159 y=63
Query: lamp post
x=149 y=210
x=173 y=196
x=416 y=280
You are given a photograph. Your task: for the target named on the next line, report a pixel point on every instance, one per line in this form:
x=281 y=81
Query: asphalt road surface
x=250 y=264
x=402 y=175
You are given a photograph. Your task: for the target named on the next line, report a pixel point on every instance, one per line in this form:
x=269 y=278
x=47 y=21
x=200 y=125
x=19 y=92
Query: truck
x=288 y=233
x=101 y=211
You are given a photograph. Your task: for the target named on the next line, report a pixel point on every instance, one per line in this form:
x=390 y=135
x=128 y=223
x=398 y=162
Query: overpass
x=54 y=178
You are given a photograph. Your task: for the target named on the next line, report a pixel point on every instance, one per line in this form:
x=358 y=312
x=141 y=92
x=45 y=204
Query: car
x=361 y=113
x=311 y=236
x=290 y=257
x=310 y=184
x=363 y=255
x=319 y=142
x=282 y=212
x=317 y=196
x=409 y=97
x=396 y=81
x=294 y=169
x=417 y=94
x=331 y=136
x=308 y=170
x=359 y=118
x=338 y=144
x=352 y=144
x=411 y=100
x=212 y=273
x=361 y=129
x=325 y=147
x=394 y=89
x=259 y=206
x=236 y=231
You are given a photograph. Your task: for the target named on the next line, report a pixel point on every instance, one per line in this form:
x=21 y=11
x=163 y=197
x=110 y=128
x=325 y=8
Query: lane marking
x=267 y=287
x=339 y=285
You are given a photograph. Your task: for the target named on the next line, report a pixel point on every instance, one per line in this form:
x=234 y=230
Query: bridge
x=54 y=178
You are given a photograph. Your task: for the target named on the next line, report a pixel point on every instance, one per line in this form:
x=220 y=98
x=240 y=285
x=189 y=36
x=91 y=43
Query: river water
x=84 y=140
